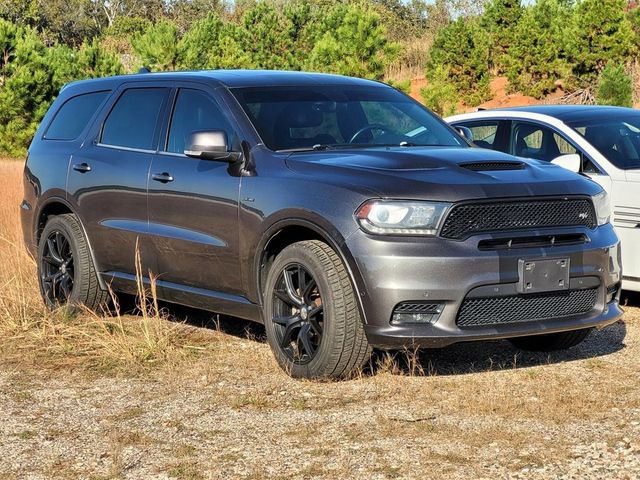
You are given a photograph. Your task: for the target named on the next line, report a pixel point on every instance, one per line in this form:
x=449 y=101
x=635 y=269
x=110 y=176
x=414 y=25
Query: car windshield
x=617 y=138
x=325 y=117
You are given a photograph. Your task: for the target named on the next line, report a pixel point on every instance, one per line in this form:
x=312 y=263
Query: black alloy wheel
x=57 y=268
x=298 y=313
x=311 y=313
x=66 y=271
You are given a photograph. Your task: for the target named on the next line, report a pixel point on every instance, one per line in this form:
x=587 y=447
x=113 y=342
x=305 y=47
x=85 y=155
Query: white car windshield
x=617 y=138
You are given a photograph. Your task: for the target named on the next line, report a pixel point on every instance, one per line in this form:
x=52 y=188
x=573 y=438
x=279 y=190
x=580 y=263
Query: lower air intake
x=480 y=312
x=416 y=313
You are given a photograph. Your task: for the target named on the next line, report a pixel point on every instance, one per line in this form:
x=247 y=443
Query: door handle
x=82 y=167
x=163 y=177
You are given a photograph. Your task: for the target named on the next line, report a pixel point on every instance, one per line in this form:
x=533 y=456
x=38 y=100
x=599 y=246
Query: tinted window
x=333 y=116
x=565 y=147
x=484 y=134
x=531 y=140
x=132 y=120
x=74 y=115
x=617 y=138
x=194 y=111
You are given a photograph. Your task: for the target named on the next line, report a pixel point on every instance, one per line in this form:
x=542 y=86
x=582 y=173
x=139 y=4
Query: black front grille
x=468 y=219
x=478 y=312
x=492 y=166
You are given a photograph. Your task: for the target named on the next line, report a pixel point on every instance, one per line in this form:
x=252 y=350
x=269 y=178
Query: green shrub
x=211 y=44
x=500 y=20
x=157 y=47
x=402 y=85
x=600 y=33
x=351 y=40
x=614 y=87
x=440 y=95
x=536 y=58
x=462 y=50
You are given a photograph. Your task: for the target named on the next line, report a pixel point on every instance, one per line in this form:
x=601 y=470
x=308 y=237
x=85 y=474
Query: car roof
x=570 y=113
x=235 y=78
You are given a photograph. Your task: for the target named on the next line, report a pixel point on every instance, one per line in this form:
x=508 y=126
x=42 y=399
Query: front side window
x=291 y=118
x=132 y=121
x=194 y=111
x=617 y=138
x=73 y=116
x=564 y=146
x=484 y=133
x=531 y=140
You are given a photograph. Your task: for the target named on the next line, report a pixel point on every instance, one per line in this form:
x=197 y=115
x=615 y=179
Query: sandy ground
x=479 y=410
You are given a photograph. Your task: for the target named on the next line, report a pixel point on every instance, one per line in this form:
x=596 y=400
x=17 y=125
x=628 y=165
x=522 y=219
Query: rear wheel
x=312 y=319
x=66 y=272
x=551 y=341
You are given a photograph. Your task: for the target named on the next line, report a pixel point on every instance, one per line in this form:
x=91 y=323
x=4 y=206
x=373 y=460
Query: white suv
x=600 y=142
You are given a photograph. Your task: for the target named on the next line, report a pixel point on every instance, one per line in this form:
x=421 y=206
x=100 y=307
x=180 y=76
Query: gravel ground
x=479 y=410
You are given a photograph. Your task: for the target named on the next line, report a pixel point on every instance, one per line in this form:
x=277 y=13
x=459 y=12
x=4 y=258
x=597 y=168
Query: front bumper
x=392 y=270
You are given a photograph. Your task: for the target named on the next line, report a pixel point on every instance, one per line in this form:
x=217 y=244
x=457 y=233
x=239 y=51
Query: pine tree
x=462 y=48
x=264 y=38
x=600 y=33
x=211 y=44
x=157 y=47
x=536 y=58
x=614 y=87
x=351 y=40
x=500 y=20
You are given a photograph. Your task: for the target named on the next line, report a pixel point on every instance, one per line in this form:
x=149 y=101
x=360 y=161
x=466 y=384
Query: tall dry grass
x=112 y=341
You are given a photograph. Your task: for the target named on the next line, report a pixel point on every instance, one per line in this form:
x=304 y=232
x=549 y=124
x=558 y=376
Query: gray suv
x=337 y=211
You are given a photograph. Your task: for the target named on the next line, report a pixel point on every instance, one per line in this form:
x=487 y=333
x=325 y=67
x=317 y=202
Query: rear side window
x=132 y=121
x=70 y=120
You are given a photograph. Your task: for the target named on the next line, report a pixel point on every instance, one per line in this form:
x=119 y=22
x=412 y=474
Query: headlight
x=602 y=204
x=396 y=217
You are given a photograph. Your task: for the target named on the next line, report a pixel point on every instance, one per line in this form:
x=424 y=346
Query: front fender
x=321 y=229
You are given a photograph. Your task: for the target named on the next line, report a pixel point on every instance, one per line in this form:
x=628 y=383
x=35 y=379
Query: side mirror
x=465 y=132
x=571 y=161
x=209 y=145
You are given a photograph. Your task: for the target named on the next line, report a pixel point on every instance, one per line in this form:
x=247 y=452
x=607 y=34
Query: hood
x=440 y=173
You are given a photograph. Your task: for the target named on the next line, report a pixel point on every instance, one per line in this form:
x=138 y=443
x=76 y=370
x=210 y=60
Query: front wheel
x=311 y=315
x=551 y=341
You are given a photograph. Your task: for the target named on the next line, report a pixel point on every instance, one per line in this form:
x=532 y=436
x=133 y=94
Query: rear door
x=107 y=178
x=193 y=203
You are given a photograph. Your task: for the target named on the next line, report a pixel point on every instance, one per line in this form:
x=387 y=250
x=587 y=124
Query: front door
x=193 y=203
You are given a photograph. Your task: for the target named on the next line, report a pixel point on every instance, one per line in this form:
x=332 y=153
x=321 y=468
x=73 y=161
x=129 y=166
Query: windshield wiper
x=335 y=146
x=321 y=146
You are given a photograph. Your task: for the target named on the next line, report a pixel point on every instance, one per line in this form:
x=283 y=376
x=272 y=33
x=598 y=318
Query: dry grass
x=33 y=335
x=147 y=396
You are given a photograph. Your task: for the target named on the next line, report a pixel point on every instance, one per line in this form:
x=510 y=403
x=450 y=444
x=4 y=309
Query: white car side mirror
x=571 y=161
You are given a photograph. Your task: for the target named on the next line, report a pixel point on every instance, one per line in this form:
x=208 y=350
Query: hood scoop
x=492 y=166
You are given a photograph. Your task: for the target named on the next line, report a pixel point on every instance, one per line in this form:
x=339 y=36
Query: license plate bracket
x=543 y=275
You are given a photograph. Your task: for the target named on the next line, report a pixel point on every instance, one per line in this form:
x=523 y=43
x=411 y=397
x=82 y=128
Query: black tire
x=81 y=286
x=551 y=341
x=335 y=345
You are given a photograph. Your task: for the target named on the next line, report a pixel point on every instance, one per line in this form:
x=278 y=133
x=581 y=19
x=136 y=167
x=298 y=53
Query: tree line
x=587 y=44
x=458 y=45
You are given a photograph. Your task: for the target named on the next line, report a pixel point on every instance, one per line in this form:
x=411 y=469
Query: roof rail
x=144 y=70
